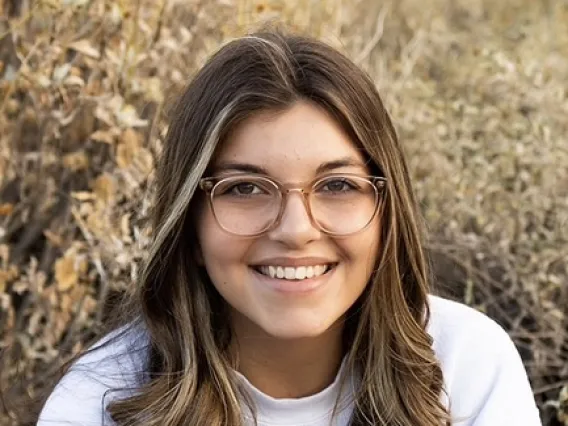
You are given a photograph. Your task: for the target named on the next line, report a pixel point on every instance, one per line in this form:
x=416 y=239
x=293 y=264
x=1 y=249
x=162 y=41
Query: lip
x=294 y=261
x=305 y=286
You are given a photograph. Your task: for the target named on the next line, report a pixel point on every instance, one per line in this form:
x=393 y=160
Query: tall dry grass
x=477 y=88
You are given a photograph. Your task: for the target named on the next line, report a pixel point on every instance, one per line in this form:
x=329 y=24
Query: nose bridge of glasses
x=287 y=199
x=301 y=191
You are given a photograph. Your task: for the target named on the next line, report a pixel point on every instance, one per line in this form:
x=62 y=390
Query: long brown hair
x=190 y=379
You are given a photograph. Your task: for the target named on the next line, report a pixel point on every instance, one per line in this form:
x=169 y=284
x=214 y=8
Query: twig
x=379 y=30
x=104 y=285
x=480 y=274
x=550 y=387
x=158 y=32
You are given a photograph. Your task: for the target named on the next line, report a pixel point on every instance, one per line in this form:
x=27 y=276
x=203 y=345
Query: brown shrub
x=477 y=89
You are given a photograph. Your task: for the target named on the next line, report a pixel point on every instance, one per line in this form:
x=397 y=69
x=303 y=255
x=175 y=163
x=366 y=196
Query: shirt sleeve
x=107 y=373
x=509 y=396
x=485 y=381
x=78 y=400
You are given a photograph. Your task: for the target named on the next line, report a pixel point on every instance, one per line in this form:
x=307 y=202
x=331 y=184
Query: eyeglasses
x=337 y=204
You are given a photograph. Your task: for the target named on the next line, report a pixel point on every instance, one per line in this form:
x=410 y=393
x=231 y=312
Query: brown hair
x=190 y=370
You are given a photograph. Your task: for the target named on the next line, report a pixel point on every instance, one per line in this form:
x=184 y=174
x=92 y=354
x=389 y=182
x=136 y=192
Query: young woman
x=287 y=283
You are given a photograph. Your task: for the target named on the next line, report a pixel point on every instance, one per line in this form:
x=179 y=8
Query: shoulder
x=484 y=376
x=463 y=339
x=453 y=323
x=112 y=368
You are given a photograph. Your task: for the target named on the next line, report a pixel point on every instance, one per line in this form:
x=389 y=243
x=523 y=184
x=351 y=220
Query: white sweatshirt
x=484 y=377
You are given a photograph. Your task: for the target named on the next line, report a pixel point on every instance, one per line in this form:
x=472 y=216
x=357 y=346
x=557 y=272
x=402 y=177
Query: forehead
x=293 y=142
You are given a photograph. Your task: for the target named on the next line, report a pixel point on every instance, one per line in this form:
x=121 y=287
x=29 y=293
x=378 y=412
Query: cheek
x=222 y=254
x=212 y=240
x=367 y=244
x=374 y=243
x=362 y=251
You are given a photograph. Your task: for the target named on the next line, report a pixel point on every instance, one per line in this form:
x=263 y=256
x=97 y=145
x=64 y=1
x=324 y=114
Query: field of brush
x=478 y=91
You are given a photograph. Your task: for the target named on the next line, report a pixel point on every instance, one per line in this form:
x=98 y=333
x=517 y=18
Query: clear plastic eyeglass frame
x=210 y=184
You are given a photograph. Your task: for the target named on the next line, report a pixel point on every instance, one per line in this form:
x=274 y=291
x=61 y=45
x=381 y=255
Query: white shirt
x=484 y=377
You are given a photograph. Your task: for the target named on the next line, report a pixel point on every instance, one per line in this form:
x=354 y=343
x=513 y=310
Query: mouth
x=289 y=273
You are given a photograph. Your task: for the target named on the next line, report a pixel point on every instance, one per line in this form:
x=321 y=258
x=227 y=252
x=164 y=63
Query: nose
x=295 y=228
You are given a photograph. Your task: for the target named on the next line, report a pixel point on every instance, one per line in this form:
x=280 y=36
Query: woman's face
x=289 y=146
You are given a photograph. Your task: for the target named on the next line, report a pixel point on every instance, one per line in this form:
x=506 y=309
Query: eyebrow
x=322 y=168
x=338 y=164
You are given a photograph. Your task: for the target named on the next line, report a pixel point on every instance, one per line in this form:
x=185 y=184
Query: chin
x=301 y=328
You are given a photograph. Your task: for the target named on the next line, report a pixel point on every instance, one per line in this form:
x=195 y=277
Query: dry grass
x=477 y=89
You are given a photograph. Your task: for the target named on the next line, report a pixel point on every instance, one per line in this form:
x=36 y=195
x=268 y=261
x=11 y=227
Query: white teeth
x=309 y=271
x=291 y=273
x=300 y=273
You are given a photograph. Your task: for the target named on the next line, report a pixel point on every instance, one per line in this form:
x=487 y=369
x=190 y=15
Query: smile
x=294 y=273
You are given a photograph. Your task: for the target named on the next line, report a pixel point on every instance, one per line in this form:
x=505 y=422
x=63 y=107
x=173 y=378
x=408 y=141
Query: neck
x=289 y=368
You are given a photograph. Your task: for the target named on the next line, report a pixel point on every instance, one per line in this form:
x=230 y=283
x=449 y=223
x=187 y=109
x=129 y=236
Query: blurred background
x=478 y=90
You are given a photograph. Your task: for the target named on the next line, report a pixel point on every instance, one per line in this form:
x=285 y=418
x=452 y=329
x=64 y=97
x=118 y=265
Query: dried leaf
x=104 y=189
x=12 y=107
x=125 y=227
x=43 y=81
x=60 y=72
x=75 y=2
x=83 y=195
x=128 y=117
x=6 y=209
x=4 y=254
x=144 y=161
x=65 y=273
x=7 y=276
x=105 y=136
x=68 y=270
x=115 y=14
x=76 y=161
x=153 y=90
x=86 y=48
x=98 y=224
x=128 y=148
x=53 y=238
x=131 y=138
x=74 y=80
x=104 y=115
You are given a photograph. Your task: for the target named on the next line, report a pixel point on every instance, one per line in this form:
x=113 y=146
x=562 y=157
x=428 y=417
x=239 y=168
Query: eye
x=244 y=188
x=338 y=185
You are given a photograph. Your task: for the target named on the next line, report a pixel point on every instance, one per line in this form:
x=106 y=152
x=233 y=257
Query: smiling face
x=266 y=279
